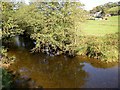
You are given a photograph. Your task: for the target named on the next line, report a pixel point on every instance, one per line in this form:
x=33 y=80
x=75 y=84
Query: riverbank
x=103 y=48
x=31 y=69
x=99 y=39
x=5 y=62
x=11 y=78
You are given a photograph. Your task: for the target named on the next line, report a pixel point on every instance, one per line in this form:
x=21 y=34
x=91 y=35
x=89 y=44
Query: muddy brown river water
x=64 y=72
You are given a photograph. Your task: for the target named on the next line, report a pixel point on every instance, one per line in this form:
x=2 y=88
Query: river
x=63 y=72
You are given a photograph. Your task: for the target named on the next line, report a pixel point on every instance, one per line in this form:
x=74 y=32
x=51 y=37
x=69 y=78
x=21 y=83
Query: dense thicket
x=8 y=22
x=102 y=48
x=48 y=23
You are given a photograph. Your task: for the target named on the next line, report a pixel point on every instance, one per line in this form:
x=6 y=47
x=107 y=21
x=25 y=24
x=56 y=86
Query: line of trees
x=44 y=22
x=112 y=8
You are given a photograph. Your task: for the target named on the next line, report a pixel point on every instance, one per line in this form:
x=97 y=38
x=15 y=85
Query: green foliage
x=4 y=56
x=114 y=10
x=102 y=48
x=108 y=8
x=58 y=23
x=51 y=22
x=47 y=22
x=7 y=10
x=7 y=79
x=9 y=23
x=3 y=52
x=10 y=28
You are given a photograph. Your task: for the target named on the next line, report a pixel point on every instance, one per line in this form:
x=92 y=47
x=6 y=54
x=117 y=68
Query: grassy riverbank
x=99 y=39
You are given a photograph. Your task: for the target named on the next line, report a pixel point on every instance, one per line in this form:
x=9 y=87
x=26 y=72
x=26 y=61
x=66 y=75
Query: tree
x=58 y=24
x=45 y=22
x=105 y=8
x=8 y=22
x=114 y=10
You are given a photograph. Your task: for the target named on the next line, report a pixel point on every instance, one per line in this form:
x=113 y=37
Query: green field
x=93 y=39
x=100 y=27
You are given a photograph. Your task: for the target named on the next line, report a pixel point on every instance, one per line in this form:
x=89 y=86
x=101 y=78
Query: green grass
x=100 y=27
x=105 y=47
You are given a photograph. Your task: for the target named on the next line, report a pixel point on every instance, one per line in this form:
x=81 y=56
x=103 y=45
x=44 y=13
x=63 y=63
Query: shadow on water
x=61 y=71
x=50 y=71
x=19 y=42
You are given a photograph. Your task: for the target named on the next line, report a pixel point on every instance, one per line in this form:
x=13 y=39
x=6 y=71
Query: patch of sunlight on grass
x=100 y=27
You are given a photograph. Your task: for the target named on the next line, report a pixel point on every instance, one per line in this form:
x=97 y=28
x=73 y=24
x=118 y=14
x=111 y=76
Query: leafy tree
x=9 y=24
x=59 y=23
x=114 y=10
x=45 y=22
x=105 y=8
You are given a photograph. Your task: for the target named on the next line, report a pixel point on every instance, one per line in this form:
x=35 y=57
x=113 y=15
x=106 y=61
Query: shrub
x=4 y=56
x=7 y=79
x=103 y=48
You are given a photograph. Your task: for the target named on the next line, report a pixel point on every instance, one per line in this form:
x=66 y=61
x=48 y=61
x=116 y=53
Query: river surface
x=62 y=71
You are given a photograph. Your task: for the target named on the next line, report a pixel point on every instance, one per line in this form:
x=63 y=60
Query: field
x=100 y=27
x=99 y=37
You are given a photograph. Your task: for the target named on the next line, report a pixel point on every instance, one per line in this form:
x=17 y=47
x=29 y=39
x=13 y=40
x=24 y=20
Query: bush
x=4 y=56
x=7 y=79
x=103 y=48
x=114 y=10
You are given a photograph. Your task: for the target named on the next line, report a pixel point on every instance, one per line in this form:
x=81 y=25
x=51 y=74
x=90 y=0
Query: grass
x=100 y=27
x=99 y=39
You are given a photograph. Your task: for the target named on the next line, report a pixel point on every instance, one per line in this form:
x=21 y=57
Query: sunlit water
x=64 y=72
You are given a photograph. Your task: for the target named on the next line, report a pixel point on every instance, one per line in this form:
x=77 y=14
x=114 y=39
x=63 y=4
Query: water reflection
x=61 y=71
x=50 y=71
x=20 y=42
x=17 y=41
